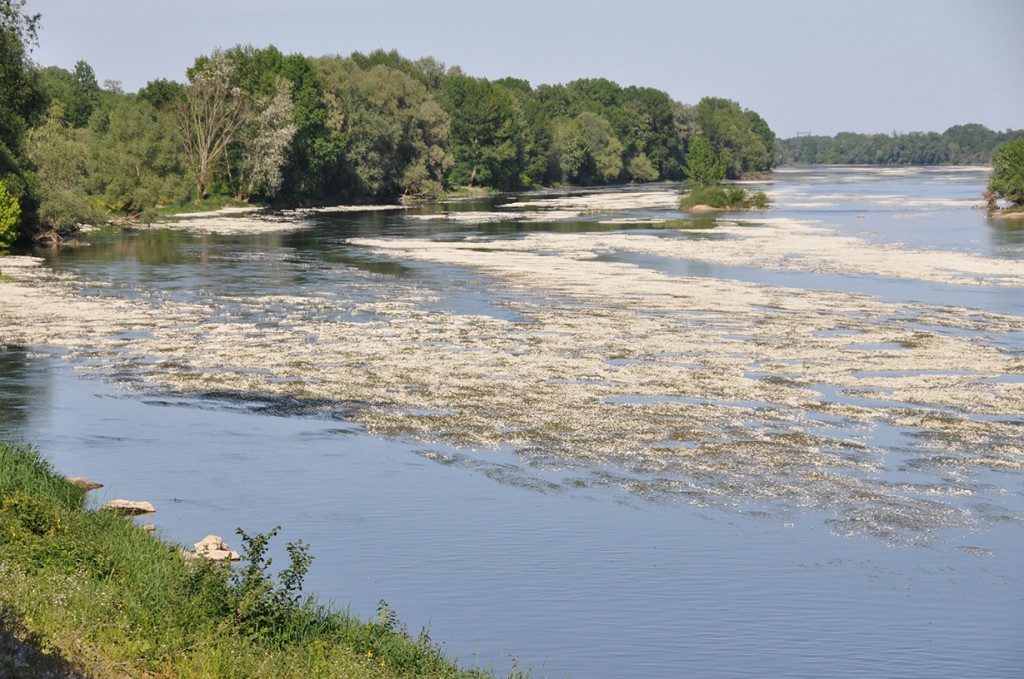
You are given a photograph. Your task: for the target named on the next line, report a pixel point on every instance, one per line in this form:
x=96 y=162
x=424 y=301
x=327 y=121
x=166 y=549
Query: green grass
x=724 y=198
x=105 y=597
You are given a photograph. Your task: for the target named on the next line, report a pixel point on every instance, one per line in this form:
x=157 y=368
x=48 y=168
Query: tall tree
x=59 y=152
x=209 y=113
x=398 y=135
x=22 y=102
x=266 y=141
x=732 y=133
x=487 y=132
x=135 y=157
x=84 y=95
x=703 y=166
x=1007 y=179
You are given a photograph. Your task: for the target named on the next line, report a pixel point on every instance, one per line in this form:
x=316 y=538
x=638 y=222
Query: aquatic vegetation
x=779 y=395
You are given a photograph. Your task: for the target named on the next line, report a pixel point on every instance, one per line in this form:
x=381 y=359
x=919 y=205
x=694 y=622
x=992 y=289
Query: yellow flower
x=369 y=654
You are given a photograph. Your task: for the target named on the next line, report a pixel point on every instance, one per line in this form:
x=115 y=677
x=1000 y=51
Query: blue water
x=512 y=559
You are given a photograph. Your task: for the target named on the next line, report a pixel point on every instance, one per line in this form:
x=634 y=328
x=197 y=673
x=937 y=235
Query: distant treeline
x=971 y=144
x=259 y=125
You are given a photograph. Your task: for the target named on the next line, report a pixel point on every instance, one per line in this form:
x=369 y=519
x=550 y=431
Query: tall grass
x=114 y=601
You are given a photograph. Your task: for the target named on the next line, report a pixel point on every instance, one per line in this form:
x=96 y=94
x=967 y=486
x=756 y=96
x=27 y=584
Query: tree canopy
x=970 y=144
x=288 y=129
x=1007 y=179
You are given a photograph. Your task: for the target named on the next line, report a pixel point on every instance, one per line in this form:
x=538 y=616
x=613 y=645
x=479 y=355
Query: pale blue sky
x=817 y=66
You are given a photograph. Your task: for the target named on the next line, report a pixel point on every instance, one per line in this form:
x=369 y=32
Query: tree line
x=259 y=125
x=971 y=144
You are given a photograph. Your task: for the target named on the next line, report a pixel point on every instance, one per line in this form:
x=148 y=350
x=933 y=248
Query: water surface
x=579 y=565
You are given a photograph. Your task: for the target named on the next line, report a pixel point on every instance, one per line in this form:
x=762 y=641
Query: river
x=576 y=431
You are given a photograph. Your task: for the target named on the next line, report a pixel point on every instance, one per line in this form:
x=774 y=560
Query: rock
x=149 y=527
x=212 y=547
x=83 y=483
x=129 y=507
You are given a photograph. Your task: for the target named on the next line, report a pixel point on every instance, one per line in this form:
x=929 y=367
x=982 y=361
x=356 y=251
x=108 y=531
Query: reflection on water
x=708 y=558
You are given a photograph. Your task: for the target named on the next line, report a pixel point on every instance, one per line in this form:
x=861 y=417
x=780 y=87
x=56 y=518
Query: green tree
x=161 y=93
x=22 y=103
x=59 y=153
x=136 y=161
x=10 y=215
x=397 y=134
x=1007 y=179
x=84 y=95
x=315 y=170
x=703 y=166
x=641 y=169
x=487 y=132
x=743 y=141
x=602 y=146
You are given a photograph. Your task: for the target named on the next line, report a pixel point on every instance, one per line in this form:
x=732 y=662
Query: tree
x=135 y=157
x=1007 y=179
x=602 y=145
x=267 y=139
x=85 y=95
x=487 y=132
x=10 y=215
x=743 y=141
x=641 y=170
x=209 y=114
x=703 y=166
x=59 y=152
x=22 y=102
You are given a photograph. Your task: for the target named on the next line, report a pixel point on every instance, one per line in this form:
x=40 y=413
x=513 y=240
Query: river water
x=579 y=431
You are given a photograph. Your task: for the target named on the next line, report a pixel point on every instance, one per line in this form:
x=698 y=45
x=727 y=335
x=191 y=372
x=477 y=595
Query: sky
x=807 y=66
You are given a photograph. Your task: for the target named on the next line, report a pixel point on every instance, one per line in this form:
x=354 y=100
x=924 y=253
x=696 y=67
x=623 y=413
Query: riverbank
x=85 y=591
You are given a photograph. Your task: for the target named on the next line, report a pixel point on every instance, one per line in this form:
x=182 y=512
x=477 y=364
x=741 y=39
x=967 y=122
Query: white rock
x=129 y=507
x=212 y=547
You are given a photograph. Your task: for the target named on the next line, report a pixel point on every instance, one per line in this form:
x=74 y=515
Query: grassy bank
x=99 y=595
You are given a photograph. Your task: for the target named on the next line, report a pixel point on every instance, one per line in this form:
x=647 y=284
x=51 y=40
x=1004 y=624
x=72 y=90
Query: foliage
x=256 y=124
x=703 y=166
x=135 y=162
x=96 y=589
x=970 y=144
x=641 y=169
x=22 y=104
x=740 y=137
x=160 y=93
x=10 y=215
x=59 y=153
x=209 y=114
x=487 y=141
x=724 y=198
x=1007 y=179
x=263 y=608
x=266 y=139
x=397 y=134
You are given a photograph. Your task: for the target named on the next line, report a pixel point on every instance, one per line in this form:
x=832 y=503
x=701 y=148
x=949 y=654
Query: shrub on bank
x=105 y=597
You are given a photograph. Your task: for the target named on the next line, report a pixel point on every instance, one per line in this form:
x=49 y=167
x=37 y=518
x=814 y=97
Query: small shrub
x=263 y=608
x=10 y=216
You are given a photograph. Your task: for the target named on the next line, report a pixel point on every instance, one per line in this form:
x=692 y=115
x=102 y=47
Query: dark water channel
x=505 y=561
